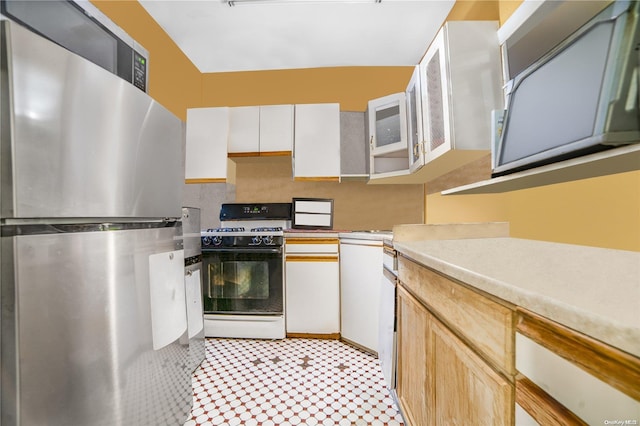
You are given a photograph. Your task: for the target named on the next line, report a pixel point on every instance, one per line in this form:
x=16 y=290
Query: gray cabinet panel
x=353 y=154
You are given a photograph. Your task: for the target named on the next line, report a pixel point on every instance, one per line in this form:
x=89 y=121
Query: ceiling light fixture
x=232 y=3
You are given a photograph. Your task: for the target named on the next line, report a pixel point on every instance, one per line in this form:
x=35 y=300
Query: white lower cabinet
x=360 y=280
x=312 y=283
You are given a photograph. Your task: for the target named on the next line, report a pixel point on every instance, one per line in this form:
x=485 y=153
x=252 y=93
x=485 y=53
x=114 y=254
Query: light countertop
x=329 y=233
x=367 y=235
x=592 y=290
x=305 y=233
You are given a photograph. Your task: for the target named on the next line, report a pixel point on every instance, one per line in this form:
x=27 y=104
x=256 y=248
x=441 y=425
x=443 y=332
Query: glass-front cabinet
x=414 y=122
x=461 y=84
x=388 y=147
x=435 y=99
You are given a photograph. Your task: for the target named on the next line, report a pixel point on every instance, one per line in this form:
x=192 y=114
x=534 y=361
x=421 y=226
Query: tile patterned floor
x=289 y=382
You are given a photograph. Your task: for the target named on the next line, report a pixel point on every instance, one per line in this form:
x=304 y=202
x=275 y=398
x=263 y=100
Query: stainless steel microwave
x=579 y=98
x=80 y=27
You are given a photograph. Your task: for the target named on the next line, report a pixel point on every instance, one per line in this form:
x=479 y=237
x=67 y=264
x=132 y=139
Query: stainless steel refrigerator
x=94 y=323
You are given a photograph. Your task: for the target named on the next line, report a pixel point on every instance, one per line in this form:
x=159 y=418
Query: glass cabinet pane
x=388 y=125
x=414 y=137
x=435 y=103
x=414 y=121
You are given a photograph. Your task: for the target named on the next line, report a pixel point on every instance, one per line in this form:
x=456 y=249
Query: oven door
x=243 y=281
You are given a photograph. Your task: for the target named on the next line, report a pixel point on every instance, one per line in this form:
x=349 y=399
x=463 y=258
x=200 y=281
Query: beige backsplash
x=450 y=231
x=357 y=206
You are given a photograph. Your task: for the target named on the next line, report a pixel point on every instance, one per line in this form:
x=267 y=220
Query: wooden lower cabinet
x=465 y=389
x=466 y=358
x=441 y=381
x=412 y=375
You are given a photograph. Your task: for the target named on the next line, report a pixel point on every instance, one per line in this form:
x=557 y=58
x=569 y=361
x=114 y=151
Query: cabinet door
x=461 y=84
x=387 y=123
x=360 y=274
x=206 y=145
x=413 y=361
x=435 y=99
x=244 y=130
x=414 y=121
x=388 y=149
x=353 y=148
x=317 y=142
x=465 y=388
x=313 y=295
x=276 y=129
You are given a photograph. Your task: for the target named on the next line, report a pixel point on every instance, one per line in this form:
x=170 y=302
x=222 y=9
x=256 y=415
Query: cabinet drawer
x=562 y=382
x=595 y=381
x=486 y=324
x=389 y=259
x=311 y=245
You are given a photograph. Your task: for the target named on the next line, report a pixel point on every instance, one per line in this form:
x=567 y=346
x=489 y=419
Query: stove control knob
x=206 y=241
x=268 y=240
x=256 y=240
x=217 y=240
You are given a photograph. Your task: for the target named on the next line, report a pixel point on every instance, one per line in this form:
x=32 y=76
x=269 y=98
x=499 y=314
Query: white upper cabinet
x=258 y=130
x=206 y=145
x=244 y=130
x=388 y=136
x=461 y=84
x=276 y=129
x=316 y=154
x=414 y=122
x=387 y=124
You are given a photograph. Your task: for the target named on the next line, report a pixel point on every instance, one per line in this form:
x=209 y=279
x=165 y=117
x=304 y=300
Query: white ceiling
x=321 y=33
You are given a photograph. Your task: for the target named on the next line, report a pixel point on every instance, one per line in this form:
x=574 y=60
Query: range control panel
x=239 y=211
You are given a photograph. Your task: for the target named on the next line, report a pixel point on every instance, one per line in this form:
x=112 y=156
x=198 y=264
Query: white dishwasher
x=360 y=280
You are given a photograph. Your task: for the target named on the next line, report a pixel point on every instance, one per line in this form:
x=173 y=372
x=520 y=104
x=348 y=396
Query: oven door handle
x=245 y=250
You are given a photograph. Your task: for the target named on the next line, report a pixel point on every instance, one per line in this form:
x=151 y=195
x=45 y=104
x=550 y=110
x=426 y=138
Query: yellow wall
x=601 y=212
x=352 y=87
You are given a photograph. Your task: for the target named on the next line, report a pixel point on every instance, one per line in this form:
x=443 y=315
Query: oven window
x=240 y=280
x=243 y=282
